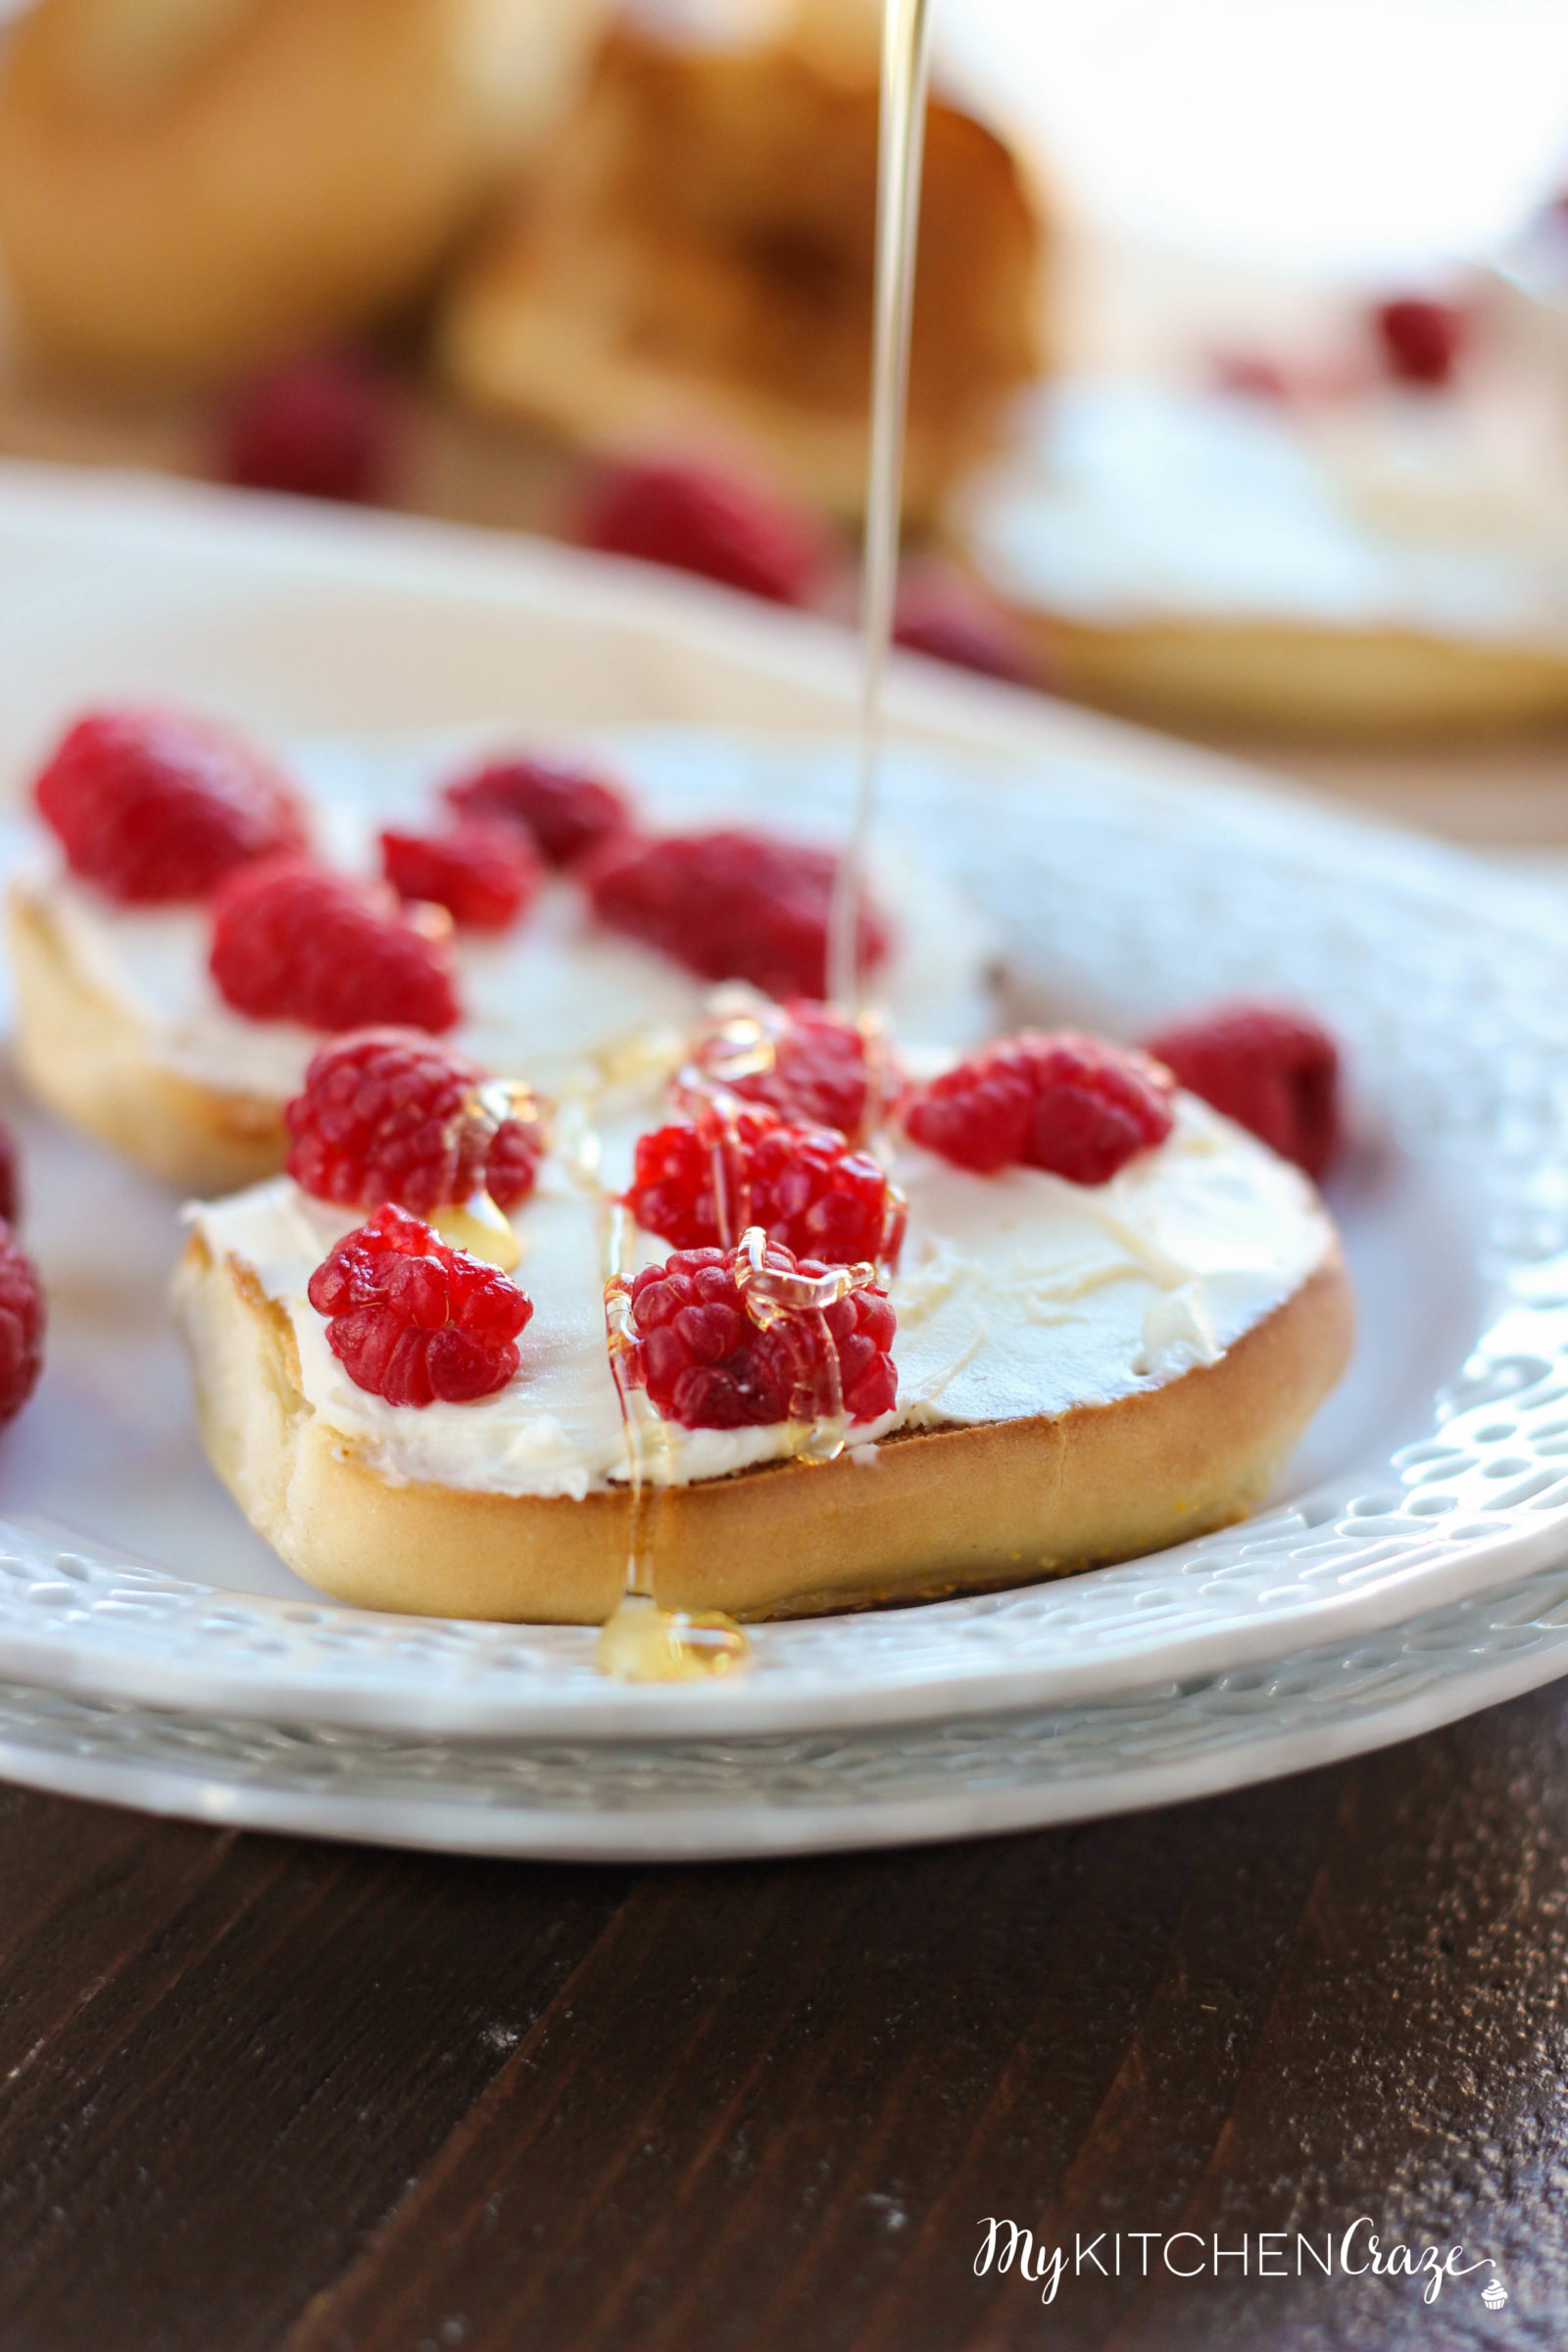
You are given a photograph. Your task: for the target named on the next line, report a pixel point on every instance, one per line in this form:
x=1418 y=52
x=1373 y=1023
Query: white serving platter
x=153 y=1649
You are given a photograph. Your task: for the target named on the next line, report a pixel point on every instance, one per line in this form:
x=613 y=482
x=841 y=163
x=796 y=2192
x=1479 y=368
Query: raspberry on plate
x=810 y=1063
x=294 y=943
x=153 y=806
x=1073 y=1106
x=730 y=905
x=1273 y=1070
x=803 y=1186
x=319 y=426
x=415 y=1321
x=23 y=1317
x=390 y=1115
x=740 y=1339
x=943 y=613
x=711 y=524
x=482 y=871
x=9 y=1178
x=1422 y=340
x=567 y=808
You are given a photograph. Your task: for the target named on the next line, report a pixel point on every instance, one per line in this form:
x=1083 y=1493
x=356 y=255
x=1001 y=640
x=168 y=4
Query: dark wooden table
x=257 y=2094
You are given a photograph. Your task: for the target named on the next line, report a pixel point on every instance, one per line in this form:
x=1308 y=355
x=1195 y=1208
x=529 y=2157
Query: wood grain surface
x=265 y=2096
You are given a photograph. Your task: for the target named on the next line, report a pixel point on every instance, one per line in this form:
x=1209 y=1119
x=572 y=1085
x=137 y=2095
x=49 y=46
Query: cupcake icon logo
x=1493 y=2294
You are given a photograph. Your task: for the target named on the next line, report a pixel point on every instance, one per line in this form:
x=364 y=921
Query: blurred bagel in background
x=190 y=187
x=691 y=266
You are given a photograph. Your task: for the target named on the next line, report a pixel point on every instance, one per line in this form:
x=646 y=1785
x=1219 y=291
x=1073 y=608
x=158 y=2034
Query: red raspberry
x=1422 y=340
x=730 y=905
x=413 y=1321
x=318 y=427
x=707 y=1361
x=726 y=530
x=9 y=1180
x=24 y=1315
x=803 y=1186
x=484 y=873
x=1073 y=1106
x=152 y=805
x=389 y=1115
x=942 y=614
x=817 y=1070
x=567 y=809
x=1274 y=1071
x=293 y=943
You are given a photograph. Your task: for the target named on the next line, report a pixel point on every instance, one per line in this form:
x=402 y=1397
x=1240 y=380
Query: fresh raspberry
x=389 y=1115
x=942 y=614
x=10 y=1179
x=730 y=905
x=807 y=1062
x=24 y=1315
x=567 y=808
x=293 y=943
x=727 y=530
x=802 y=1185
x=707 y=1360
x=485 y=873
x=414 y=1321
x=152 y=805
x=1272 y=1070
x=1422 y=340
x=1072 y=1105
x=321 y=427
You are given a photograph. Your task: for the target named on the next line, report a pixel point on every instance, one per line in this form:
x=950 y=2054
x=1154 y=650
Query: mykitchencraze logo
x=1353 y=2253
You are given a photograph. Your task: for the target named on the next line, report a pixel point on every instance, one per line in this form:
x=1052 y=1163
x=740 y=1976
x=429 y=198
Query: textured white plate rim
x=1336 y=1725
x=82 y=1622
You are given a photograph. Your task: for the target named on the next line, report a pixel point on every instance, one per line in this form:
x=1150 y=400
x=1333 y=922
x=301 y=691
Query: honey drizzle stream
x=906 y=77
x=641 y=1641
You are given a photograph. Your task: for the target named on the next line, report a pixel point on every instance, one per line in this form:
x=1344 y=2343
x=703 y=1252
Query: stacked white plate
x=1412 y=1565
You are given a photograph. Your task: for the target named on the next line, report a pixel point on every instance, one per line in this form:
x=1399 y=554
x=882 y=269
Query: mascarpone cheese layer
x=546 y=998
x=1123 y=502
x=1019 y=1295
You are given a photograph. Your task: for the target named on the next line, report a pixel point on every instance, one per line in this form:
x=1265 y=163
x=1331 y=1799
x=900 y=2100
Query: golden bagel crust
x=1316 y=683
x=86 y=1056
x=932 y=1513
x=186 y=190
x=691 y=269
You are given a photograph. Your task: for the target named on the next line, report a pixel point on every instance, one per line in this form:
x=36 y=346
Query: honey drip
x=906 y=77
x=642 y=1641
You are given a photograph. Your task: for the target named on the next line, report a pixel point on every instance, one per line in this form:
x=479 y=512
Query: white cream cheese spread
x=1122 y=502
x=557 y=991
x=1019 y=1295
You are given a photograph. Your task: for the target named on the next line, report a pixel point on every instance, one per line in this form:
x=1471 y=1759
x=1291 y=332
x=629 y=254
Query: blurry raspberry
x=1072 y=1105
x=817 y=1073
x=389 y=1115
x=24 y=1315
x=485 y=873
x=293 y=943
x=318 y=427
x=1422 y=340
x=9 y=1181
x=414 y=1321
x=803 y=1186
x=567 y=809
x=150 y=805
x=727 y=530
x=730 y=906
x=708 y=1363
x=1272 y=1070
x=1248 y=375
x=942 y=614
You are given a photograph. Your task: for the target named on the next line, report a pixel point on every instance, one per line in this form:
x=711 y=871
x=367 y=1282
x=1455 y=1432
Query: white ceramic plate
x=1128 y=878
